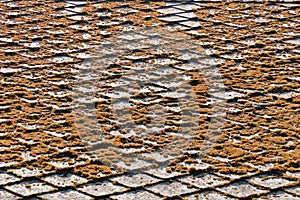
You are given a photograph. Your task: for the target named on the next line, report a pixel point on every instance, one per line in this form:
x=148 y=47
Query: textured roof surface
x=256 y=45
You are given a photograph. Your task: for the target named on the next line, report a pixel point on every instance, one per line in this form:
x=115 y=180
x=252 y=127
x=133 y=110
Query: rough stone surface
x=254 y=45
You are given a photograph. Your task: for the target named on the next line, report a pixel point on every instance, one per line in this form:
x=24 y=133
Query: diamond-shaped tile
x=25 y=172
x=190 y=23
x=66 y=195
x=278 y=196
x=199 y=165
x=136 y=195
x=100 y=189
x=270 y=181
x=7 y=195
x=162 y=173
x=171 y=189
x=7 y=178
x=236 y=176
x=8 y=148
x=30 y=187
x=66 y=164
x=169 y=10
x=7 y=164
x=169 y=3
x=265 y=167
x=293 y=174
x=187 y=15
x=211 y=195
x=135 y=180
x=187 y=7
x=241 y=189
x=134 y=165
x=293 y=190
x=204 y=180
x=172 y=18
x=64 y=180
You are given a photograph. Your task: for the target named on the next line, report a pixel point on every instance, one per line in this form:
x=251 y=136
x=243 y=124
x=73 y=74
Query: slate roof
x=256 y=48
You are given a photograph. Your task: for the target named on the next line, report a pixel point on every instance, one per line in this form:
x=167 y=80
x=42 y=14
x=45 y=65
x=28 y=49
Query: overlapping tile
x=135 y=180
x=65 y=194
x=7 y=195
x=171 y=189
x=163 y=173
x=271 y=182
x=32 y=172
x=204 y=180
x=293 y=190
x=211 y=195
x=29 y=188
x=279 y=195
x=241 y=190
x=64 y=180
x=256 y=45
x=6 y=178
x=102 y=189
x=136 y=195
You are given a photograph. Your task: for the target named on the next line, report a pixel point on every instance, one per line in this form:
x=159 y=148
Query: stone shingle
x=136 y=195
x=204 y=180
x=25 y=172
x=28 y=188
x=211 y=195
x=241 y=189
x=135 y=180
x=63 y=180
x=257 y=59
x=171 y=189
x=271 y=182
x=7 y=195
x=162 y=173
x=102 y=188
x=279 y=196
x=293 y=190
x=66 y=195
x=7 y=178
